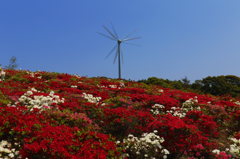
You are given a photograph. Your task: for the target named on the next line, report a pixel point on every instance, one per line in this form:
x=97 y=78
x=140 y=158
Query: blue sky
x=193 y=38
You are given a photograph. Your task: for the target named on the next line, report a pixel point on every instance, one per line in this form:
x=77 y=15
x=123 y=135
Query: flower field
x=47 y=115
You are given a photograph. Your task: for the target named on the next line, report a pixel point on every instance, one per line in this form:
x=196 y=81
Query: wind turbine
x=112 y=35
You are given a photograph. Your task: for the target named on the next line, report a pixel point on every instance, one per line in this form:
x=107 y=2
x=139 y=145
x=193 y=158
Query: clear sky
x=193 y=38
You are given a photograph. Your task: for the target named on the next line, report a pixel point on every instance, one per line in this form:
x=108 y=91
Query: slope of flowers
x=53 y=115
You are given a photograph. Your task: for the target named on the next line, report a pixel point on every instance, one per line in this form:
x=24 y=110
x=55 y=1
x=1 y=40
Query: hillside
x=53 y=115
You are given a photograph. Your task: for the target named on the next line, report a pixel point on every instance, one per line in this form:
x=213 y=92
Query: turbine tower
x=112 y=35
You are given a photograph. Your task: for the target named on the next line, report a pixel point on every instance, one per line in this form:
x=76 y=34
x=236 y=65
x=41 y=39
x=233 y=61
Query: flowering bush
x=234 y=148
x=2 y=74
x=52 y=115
x=221 y=154
x=34 y=99
x=64 y=142
x=188 y=105
x=149 y=145
x=90 y=98
x=7 y=150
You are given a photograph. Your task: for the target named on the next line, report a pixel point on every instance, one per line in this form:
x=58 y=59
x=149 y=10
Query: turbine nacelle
x=119 y=41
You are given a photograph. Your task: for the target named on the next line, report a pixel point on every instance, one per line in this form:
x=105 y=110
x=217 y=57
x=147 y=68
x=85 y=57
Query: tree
x=157 y=81
x=219 y=85
x=185 y=82
x=12 y=63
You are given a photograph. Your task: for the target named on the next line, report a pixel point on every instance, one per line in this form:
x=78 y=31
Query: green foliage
x=3 y=99
x=18 y=78
x=118 y=101
x=219 y=85
x=156 y=81
x=49 y=75
x=71 y=119
x=183 y=84
x=215 y=85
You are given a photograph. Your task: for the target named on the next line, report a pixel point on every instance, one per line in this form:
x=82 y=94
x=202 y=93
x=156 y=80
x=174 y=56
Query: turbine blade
x=131 y=39
x=132 y=44
x=113 y=36
x=129 y=34
x=115 y=58
x=106 y=36
x=111 y=51
x=114 y=31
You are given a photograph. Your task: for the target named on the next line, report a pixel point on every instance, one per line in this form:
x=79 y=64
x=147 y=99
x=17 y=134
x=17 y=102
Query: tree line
x=215 y=85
